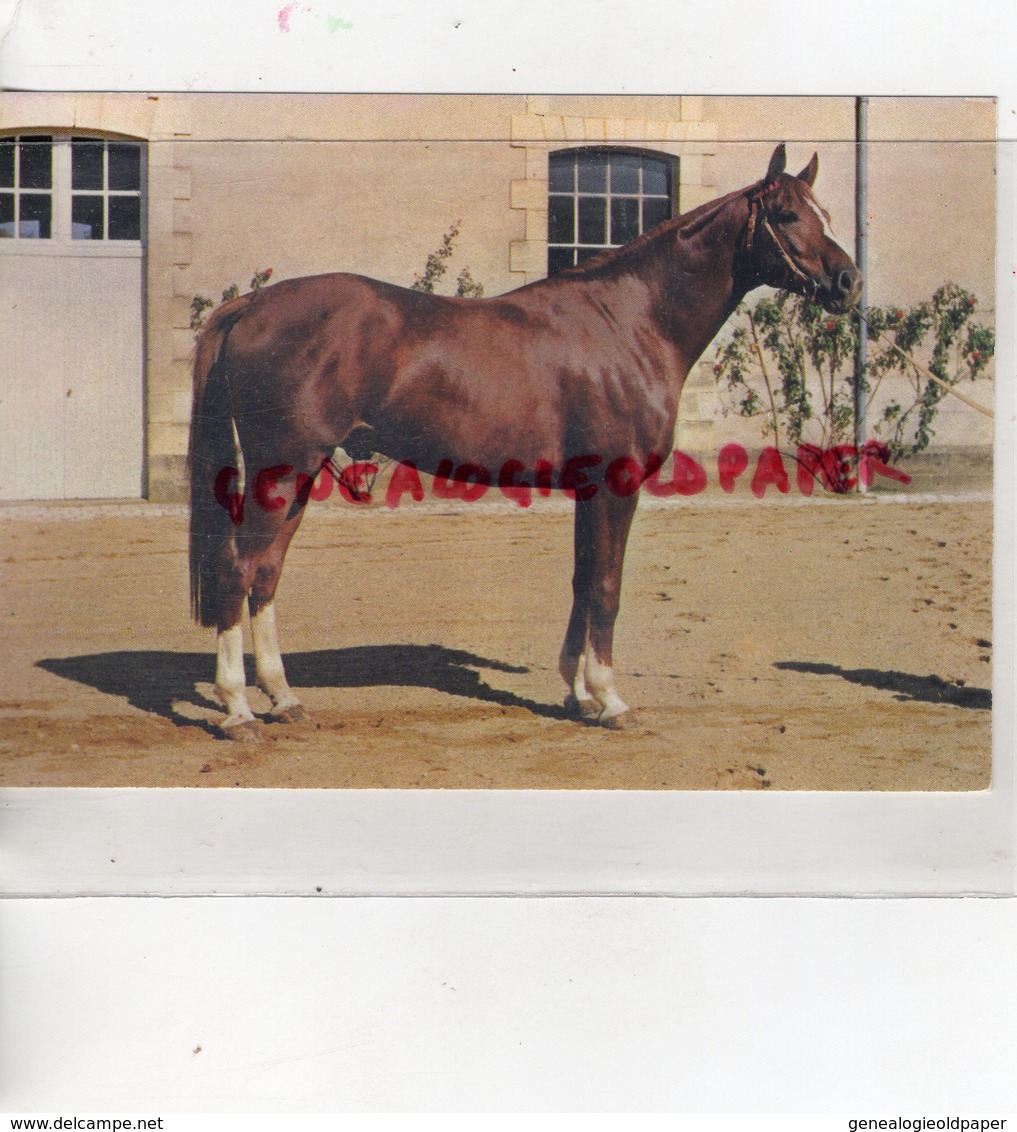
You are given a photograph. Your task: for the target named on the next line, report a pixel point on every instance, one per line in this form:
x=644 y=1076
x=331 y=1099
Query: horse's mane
x=687 y=224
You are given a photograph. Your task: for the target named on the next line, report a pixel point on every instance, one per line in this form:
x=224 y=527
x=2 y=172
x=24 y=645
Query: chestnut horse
x=580 y=372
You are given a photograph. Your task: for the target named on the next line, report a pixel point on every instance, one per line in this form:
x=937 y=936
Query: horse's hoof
x=581 y=709
x=621 y=722
x=295 y=713
x=247 y=731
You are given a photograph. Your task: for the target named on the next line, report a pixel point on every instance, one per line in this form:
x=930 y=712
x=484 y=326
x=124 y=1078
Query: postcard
x=588 y=446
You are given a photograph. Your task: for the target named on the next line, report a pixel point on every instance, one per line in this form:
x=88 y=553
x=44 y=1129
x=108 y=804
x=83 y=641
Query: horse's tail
x=211 y=452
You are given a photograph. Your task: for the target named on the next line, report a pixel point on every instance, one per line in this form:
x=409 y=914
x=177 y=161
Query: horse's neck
x=700 y=288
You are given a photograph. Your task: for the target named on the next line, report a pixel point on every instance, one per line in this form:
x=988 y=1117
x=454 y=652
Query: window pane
x=36 y=163
x=36 y=209
x=656 y=177
x=583 y=254
x=7 y=163
x=86 y=164
x=655 y=211
x=561 y=170
x=86 y=217
x=624 y=219
x=561 y=220
x=592 y=170
x=125 y=218
x=559 y=258
x=124 y=168
x=624 y=173
x=6 y=215
x=593 y=220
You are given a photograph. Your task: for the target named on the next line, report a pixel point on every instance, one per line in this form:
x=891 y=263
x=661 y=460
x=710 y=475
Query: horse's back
x=529 y=374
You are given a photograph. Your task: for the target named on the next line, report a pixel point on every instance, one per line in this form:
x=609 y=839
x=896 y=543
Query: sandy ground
x=783 y=644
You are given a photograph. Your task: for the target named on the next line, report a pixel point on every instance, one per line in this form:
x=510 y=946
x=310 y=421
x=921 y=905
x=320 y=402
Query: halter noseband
x=756 y=213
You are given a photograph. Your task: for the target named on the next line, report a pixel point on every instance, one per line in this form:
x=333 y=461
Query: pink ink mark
x=284 y=15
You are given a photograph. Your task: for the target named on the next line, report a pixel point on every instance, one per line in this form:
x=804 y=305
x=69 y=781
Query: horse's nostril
x=846 y=282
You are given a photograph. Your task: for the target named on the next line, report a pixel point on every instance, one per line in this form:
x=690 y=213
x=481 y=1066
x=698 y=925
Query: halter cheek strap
x=757 y=212
x=756 y=207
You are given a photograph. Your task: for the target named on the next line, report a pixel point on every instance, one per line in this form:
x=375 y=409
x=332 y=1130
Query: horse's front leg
x=572 y=661
x=611 y=519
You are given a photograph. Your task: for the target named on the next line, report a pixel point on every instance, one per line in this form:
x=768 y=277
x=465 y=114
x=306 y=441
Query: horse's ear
x=808 y=174
x=777 y=164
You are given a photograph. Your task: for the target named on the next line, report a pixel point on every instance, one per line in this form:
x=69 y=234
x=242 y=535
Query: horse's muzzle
x=842 y=290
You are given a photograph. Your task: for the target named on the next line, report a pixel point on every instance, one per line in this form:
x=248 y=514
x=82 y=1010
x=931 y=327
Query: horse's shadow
x=904 y=685
x=157 y=681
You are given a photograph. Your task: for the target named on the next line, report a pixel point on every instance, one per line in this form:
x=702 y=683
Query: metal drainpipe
x=861 y=260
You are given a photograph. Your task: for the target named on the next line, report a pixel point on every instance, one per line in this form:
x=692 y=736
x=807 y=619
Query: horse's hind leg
x=261 y=545
x=231 y=684
x=269 y=672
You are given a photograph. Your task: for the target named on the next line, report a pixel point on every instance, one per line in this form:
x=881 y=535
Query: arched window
x=602 y=198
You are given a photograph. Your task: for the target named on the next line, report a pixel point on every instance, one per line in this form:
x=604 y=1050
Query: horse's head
x=788 y=242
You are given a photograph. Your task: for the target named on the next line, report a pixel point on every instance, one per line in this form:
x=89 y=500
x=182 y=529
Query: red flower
x=268 y=273
x=898 y=315
x=976 y=356
x=831 y=325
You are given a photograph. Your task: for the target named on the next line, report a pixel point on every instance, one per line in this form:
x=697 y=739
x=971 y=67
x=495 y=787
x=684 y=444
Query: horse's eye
x=785 y=216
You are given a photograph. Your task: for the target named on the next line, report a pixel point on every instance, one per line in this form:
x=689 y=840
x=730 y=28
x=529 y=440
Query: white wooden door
x=71 y=326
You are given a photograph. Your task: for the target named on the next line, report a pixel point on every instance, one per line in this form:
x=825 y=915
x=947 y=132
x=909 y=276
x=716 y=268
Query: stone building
x=117 y=210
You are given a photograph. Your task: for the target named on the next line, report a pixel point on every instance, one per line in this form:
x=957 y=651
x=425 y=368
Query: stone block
x=181 y=252
x=536 y=223
x=701 y=131
x=528 y=194
x=691 y=107
x=180 y=183
x=167 y=439
x=527 y=127
x=691 y=196
x=529 y=256
x=695 y=437
x=536 y=163
x=635 y=131
x=183 y=344
x=575 y=129
x=167 y=479
x=691 y=170
x=167 y=376
x=183 y=218
x=30 y=111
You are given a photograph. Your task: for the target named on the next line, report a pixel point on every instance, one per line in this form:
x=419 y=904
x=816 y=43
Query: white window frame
x=61 y=242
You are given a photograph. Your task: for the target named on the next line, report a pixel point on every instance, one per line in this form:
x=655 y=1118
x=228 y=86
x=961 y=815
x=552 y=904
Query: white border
x=864 y=1007
x=411 y=842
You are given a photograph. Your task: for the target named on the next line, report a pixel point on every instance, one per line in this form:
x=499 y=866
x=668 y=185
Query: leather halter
x=758 y=213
